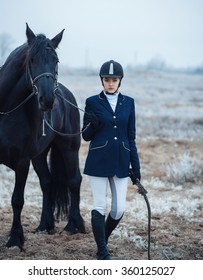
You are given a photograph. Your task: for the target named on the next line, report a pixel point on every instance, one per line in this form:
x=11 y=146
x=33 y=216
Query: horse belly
x=12 y=152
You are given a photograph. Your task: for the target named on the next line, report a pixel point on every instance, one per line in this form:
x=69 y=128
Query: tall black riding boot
x=98 y=228
x=110 y=225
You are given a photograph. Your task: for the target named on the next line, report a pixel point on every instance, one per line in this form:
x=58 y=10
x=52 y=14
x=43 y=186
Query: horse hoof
x=14 y=242
x=45 y=231
x=71 y=229
x=15 y=249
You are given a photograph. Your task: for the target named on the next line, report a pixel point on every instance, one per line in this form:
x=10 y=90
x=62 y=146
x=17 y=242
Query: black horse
x=39 y=123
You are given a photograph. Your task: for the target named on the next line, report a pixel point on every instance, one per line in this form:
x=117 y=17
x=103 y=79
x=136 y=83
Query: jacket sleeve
x=87 y=131
x=134 y=158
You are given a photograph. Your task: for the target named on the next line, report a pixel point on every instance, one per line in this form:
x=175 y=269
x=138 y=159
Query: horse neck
x=14 y=87
x=14 y=82
x=13 y=102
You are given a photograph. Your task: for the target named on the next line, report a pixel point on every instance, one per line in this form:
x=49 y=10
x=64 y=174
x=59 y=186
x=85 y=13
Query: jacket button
x=115 y=126
x=114 y=117
x=115 y=138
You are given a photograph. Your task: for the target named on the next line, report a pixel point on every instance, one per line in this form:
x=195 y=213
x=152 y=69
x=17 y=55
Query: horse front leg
x=41 y=168
x=75 y=220
x=17 y=202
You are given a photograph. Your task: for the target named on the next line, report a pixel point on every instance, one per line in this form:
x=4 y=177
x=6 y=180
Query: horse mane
x=12 y=68
x=16 y=56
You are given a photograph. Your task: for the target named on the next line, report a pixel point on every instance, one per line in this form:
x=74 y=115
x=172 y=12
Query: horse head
x=42 y=66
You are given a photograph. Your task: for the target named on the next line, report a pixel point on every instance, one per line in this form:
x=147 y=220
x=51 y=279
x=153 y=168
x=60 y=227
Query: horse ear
x=29 y=33
x=57 y=39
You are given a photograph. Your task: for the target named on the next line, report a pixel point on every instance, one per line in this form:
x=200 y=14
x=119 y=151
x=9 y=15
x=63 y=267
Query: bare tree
x=5 y=46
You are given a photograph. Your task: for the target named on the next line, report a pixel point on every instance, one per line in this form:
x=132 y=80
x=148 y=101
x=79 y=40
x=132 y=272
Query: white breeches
x=118 y=188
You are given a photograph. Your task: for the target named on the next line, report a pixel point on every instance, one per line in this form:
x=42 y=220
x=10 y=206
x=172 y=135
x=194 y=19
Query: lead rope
x=44 y=121
x=58 y=132
x=62 y=97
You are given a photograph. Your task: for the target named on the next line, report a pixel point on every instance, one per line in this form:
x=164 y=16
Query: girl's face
x=110 y=84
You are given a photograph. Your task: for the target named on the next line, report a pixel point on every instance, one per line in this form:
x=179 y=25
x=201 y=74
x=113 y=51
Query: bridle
x=34 y=89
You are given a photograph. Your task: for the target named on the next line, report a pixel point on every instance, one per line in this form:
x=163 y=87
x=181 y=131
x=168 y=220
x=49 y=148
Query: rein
x=21 y=104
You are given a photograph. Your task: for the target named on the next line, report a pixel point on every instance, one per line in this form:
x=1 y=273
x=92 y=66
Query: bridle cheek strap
x=45 y=74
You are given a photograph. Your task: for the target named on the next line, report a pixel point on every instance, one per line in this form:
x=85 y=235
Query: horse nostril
x=41 y=100
x=45 y=104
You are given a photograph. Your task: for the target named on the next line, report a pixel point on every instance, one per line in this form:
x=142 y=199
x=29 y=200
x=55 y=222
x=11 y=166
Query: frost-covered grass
x=167 y=198
x=185 y=168
x=171 y=128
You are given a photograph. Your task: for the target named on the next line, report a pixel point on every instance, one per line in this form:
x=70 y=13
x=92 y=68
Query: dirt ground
x=177 y=209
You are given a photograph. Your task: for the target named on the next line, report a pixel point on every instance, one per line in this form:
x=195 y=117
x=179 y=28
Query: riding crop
x=143 y=191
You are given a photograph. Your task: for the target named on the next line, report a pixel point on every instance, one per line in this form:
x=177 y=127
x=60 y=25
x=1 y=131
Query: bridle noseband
x=45 y=74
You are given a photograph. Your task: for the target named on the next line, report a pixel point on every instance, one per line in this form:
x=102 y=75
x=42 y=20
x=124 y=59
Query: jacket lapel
x=120 y=101
x=105 y=103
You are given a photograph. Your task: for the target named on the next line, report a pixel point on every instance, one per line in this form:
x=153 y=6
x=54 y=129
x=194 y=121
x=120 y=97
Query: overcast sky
x=129 y=31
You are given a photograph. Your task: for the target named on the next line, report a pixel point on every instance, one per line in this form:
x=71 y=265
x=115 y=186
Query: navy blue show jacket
x=112 y=148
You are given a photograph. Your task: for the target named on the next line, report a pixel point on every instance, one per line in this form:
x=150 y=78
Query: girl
x=109 y=123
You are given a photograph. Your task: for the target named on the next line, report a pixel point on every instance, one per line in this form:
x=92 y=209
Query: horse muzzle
x=46 y=104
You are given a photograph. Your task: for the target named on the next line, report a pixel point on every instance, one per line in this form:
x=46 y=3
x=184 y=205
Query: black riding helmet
x=111 y=69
